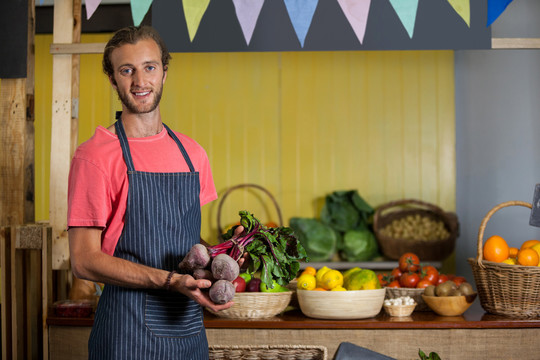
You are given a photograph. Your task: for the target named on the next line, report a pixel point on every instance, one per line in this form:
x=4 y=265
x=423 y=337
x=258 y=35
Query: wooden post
x=61 y=133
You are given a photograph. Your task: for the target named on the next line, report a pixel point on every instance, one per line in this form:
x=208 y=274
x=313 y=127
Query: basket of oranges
x=507 y=279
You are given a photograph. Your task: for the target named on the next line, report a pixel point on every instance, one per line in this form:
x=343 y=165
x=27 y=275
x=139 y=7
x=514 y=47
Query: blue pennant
x=495 y=9
x=301 y=13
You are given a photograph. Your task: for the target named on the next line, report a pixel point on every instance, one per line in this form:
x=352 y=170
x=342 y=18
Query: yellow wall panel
x=301 y=124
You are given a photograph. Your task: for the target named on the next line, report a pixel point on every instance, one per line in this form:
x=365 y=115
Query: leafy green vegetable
x=346 y=210
x=359 y=245
x=319 y=240
x=432 y=355
x=274 y=251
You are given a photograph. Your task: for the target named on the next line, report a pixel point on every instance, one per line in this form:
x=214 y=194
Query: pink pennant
x=356 y=12
x=247 y=12
x=91 y=6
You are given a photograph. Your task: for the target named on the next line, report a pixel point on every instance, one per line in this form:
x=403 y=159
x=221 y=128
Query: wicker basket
x=268 y=352
x=431 y=249
x=504 y=289
x=399 y=310
x=256 y=305
x=243 y=186
x=416 y=294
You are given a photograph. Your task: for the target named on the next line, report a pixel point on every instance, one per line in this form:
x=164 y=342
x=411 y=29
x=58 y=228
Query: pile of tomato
x=410 y=273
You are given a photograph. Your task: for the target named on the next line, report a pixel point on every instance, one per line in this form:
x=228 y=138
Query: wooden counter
x=475 y=335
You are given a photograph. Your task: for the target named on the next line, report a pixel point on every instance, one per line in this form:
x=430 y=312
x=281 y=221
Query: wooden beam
x=61 y=134
x=86 y=48
x=12 y=150
x=515 y=43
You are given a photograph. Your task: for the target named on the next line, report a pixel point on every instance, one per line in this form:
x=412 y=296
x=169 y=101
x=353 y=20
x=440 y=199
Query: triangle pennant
x=463 y=8
x=495 y=9
x=194 y=11
x=139 y=8
x=301 y=14
x=91 y=6
x=247 y=12
x=406 y=11
x=356 y=11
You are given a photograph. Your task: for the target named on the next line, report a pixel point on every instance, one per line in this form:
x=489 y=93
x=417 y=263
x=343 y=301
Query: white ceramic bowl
x=341 y=305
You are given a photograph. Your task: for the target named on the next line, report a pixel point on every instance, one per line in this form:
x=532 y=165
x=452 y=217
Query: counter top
x=474 y=318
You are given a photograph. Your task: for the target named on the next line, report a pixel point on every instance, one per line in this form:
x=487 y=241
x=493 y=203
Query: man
x=135 y=192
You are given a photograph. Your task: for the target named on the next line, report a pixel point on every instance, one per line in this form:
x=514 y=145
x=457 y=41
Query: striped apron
x=162 y=223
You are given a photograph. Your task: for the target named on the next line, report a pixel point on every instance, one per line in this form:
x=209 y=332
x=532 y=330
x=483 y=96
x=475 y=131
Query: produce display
x=344 y=229
x=496 y=249
x=327 y=279
x=410 y=273
x=416 y=227
x=273 y=254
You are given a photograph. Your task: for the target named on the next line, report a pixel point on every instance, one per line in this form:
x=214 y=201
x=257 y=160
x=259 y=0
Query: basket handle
x=485 y=221
x=239 y=186
x=391 y=204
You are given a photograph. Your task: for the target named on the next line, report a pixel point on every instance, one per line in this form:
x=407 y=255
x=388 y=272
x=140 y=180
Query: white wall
x=498 y=134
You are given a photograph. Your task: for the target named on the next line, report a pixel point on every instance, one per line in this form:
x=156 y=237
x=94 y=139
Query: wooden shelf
x=515 y=43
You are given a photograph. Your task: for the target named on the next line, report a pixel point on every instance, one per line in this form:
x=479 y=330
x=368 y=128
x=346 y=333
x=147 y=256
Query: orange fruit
x=496 y=249
x=529 y=243
x=512 y=252
x=310 y=270
x=537 y=249
x=528 y=257
x=319 y=289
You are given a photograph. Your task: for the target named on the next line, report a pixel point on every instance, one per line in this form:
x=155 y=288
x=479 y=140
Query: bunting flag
x=356 y=11
x=463 y=8
x=139 y=8
x=301 y=13
x=406 y=11
x=194 y=11
x=495 y=9
x=91 y=6
x=247 y=12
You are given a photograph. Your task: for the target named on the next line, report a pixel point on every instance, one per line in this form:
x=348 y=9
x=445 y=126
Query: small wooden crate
x=268 y=352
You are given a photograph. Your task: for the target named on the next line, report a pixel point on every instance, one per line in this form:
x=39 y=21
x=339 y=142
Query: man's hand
x=195 y=289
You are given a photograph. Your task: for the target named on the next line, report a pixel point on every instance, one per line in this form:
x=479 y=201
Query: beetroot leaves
x=276 y=252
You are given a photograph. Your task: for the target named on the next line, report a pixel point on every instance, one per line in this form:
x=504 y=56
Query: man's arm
x=90 y=263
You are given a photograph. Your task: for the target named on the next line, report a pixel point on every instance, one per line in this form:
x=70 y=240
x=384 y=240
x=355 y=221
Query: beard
x=136 y=108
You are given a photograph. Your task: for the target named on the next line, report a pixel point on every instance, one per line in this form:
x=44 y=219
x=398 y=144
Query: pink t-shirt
x=98 y=182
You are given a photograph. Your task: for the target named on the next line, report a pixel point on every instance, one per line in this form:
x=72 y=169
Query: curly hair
x=131 y=35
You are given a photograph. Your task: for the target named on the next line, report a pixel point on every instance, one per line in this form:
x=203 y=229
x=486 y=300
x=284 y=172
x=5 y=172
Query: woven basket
x=255 y=305
x=243 y=186
x=504 y=289
x=416 y=294
x=399 y=310
x=431 y=249
x=268 y=352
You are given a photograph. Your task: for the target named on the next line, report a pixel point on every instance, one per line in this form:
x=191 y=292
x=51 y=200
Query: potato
x=197 y=258
x=225 y=268
x=221 y=292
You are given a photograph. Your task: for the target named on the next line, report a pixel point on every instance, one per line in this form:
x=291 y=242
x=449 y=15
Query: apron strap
x=125 y=145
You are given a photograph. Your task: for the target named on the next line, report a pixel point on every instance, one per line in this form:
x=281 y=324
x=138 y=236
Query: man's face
x=138 y=76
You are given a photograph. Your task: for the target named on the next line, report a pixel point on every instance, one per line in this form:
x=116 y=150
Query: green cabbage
x=318 y=239
x=359 y=245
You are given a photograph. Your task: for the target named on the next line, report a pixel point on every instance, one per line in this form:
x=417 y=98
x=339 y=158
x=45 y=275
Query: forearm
x=90 y=263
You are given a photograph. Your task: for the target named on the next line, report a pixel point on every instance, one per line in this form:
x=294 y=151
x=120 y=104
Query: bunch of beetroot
x=220 y=269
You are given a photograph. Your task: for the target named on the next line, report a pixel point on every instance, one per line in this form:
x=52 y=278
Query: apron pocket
x=169 y=314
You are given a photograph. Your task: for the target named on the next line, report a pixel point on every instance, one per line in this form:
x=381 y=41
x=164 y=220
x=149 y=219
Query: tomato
x=424 y=283
x=396 y=273
x=409 y=262
x=442 y=279
x=458 y=280
x=409 y=280
x=394 y=284
x=383 y=279
x=430 y=273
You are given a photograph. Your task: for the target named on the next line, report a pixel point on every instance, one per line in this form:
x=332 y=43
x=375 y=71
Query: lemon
x=320 y=273
x=306 y=282
x=511 y=261
x=338 y=288
x=332 y=279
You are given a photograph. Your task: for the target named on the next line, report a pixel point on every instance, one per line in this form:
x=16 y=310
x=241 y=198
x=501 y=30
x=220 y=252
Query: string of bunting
x=301 y=13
